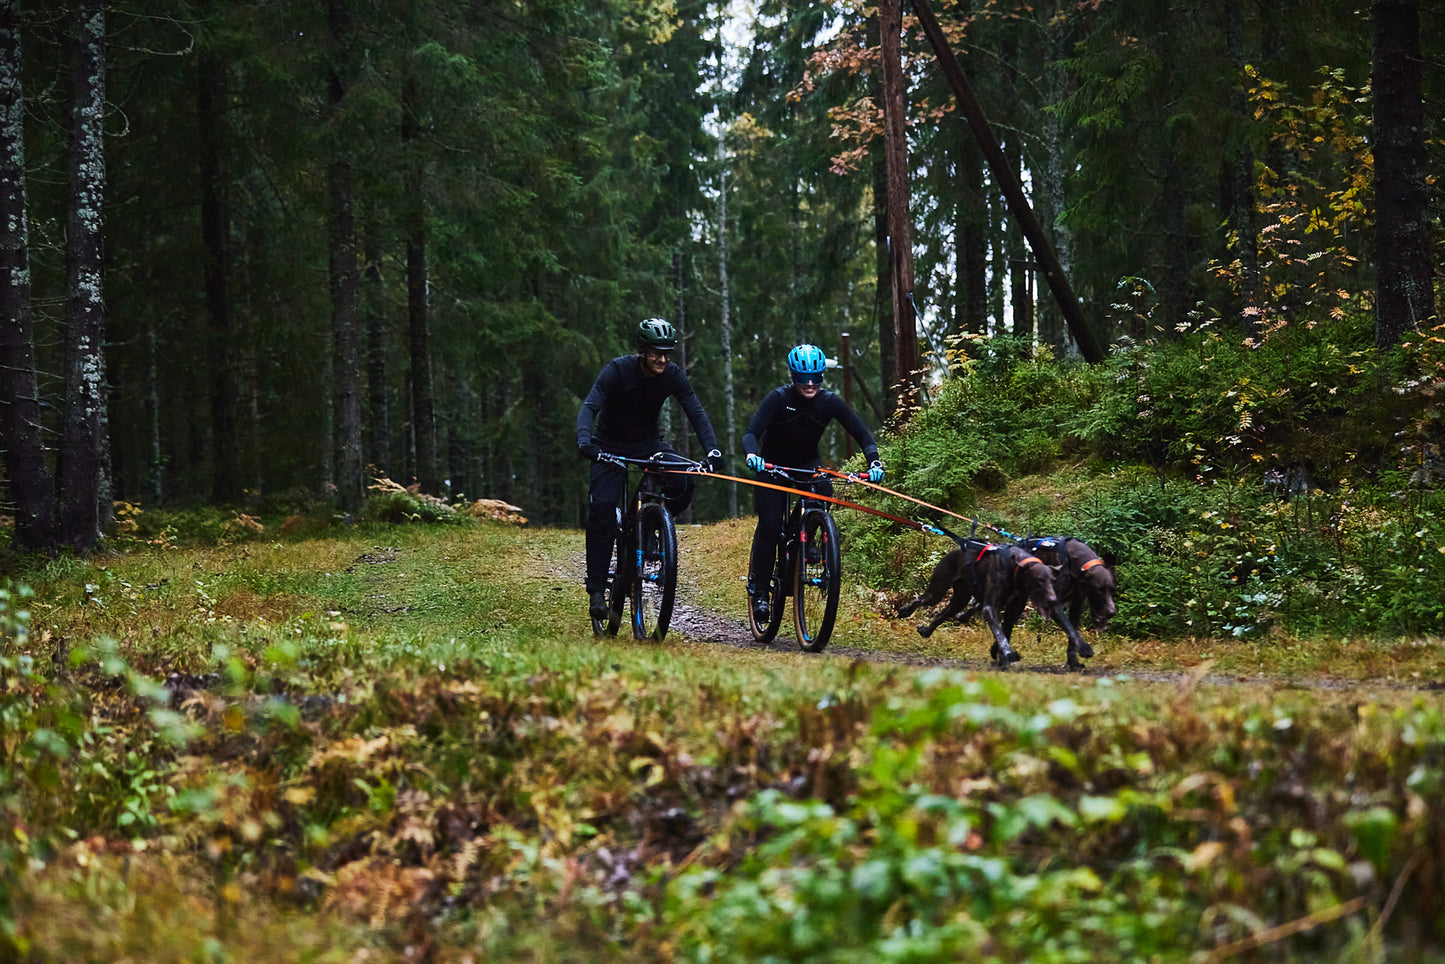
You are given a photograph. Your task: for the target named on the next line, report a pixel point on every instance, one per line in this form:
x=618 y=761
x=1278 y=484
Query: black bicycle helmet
x=657 y=334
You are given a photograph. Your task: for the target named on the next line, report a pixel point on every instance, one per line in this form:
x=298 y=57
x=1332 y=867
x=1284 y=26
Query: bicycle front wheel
x=817 y=574
x=655 y=583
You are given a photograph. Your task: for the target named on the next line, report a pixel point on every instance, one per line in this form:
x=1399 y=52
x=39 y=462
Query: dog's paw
x=1085 y=650
x=925 y=632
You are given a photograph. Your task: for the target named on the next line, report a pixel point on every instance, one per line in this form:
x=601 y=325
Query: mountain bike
x=808 y=566
x=644 y=568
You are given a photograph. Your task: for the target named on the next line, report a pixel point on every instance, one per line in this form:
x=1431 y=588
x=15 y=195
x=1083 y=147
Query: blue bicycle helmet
x=657 y=334
x=807 y=363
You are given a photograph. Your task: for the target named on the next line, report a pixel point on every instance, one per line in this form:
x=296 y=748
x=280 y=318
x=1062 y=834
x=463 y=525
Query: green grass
x=415 y=742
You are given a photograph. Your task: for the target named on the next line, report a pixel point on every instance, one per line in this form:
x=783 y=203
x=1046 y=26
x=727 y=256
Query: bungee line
x=688 y=467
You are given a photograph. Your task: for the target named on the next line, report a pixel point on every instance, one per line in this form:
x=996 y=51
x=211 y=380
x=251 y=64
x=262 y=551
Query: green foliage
x=394 y=508
x=1245 y=488
x=920 y=864
x=380 y=727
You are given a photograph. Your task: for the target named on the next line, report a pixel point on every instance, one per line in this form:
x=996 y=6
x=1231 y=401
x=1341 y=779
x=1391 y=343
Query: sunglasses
x=812 y=378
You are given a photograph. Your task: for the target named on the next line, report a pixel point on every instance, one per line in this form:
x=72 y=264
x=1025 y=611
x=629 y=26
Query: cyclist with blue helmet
x=620 y=416
x=786 y=430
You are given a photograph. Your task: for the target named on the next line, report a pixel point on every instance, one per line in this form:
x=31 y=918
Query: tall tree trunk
x=378 y=411
x=725 y=322
x=883 y=289
x=1241 y=178
x=423 y=405
x=1049 y=320
x=679 y=308
x=31 y=485
x=82 y=444
x=1405 y=295
x=215 y=239
x=155 y=463
x=1021 y=305
x=970 y=228
x=345 y=366
x=970 y=239
x=1175 y=288
x=900 y=233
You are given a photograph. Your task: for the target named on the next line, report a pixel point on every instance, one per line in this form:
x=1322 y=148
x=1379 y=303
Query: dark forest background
x=261 y=253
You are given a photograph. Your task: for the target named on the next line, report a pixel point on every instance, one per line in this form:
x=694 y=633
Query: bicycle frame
x=795 y=573
x=645 y=569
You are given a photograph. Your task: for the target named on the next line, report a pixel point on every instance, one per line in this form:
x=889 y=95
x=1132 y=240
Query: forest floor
x=873 y=633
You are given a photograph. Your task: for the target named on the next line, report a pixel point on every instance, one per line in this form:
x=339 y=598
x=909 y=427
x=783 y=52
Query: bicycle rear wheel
x=655 y=585
x=818 y=570
x=764 y=632
x=619 y=587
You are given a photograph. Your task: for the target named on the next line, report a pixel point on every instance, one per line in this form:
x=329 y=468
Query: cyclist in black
x=785 y=430
x=624 y=403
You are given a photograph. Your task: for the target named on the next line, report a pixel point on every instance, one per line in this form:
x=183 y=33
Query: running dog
x=1003 y=579
x=1081 y=575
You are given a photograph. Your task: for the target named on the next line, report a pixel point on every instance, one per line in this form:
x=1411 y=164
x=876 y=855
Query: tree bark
x=31 y=485
x=1241 y=179
x=900 y=234
x=725 y=322
x=378 y=409
x=345 y=364
x=82 y=443
x=215 y=239
x=423 y=405
x=1405 y=295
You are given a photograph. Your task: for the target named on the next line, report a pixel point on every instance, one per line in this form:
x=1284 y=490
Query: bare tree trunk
x=679 y=308
x=1049 y=320
x=155 y=466
x=31 y=485
x=378 y=414
x=725 y=321
x=423 y=405
x=1241 y=179
x=215 y=238
x=82 y=444
x=970 y=230
x=1405 y=295
x=345 y=367
x=900 y=234
x=970 y=237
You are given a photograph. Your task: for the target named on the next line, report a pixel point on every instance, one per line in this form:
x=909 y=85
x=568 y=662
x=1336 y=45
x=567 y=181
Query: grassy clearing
x=404 y=741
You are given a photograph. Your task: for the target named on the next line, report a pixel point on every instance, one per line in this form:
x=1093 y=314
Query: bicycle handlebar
x=670 y=461
x=792 y=473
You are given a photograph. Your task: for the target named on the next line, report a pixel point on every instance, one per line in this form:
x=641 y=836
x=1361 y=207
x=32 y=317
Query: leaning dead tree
x=1003 y=175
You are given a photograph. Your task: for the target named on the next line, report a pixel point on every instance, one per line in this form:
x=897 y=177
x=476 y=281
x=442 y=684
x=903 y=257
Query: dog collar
x=1025 y=562
x=1091 y=564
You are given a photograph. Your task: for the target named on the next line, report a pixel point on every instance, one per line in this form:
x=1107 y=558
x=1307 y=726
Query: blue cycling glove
x=875 y=472
x=756 y=463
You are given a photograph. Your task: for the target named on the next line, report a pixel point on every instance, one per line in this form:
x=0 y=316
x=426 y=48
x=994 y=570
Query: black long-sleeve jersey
x=625 y=405
x=787 y=427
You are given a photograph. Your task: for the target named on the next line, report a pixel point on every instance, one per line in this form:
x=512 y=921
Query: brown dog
x=1003 y=579
x=1081 y=575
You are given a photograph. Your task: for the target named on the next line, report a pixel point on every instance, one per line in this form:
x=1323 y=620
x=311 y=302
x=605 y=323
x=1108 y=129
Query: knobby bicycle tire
x=655 y=585
x=764 y=633
x=818 y=573
x=619 y=588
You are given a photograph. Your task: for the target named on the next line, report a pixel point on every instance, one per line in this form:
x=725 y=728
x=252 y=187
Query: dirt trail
x=710 y=626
